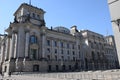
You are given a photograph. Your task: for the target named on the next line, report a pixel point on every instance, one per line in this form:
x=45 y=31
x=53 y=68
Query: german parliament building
x=30 y=46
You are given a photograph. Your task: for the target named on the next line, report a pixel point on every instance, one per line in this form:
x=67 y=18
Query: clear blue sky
x=86 y=14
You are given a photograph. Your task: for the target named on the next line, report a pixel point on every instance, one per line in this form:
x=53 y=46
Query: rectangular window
x=78 y=46
x=33 y=39
x=62 y=51
x=56 y=51
x=73 y=58
x=55 y=43
x=68 y=52
x=61 y=44
x=73 y=52
x=73 y=46
x=48 y=50
x=62 y=57
x=56 y=57
x=92 y=46
x=33 y=54
x=48 y=42
x=68 y=45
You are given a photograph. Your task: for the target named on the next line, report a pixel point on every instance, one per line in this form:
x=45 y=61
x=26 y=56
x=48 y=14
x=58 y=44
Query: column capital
x=42 y=34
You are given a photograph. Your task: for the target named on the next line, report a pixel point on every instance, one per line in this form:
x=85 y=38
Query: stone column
x=15 y=46
x=12 y=46
x=2 y=51
x=77 y=50
x=21 y=43
x=43 y=46
x=59 y=50
x=52 y=50
x=7 y=48
x=27 y=44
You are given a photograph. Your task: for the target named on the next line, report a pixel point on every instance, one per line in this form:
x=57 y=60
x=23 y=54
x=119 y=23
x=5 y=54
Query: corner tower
x=25 y=40
x=29 y=13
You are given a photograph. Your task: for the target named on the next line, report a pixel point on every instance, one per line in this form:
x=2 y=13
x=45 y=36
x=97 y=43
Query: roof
x=25 y=4
x=91 y=32
x=62 y=29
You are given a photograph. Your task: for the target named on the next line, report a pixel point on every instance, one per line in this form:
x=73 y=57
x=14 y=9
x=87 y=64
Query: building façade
x=29 y=46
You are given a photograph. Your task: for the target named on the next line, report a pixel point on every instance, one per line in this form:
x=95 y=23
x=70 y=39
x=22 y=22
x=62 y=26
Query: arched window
x=33 y=39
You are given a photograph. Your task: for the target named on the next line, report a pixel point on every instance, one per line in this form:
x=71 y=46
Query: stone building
x=29 y=46
x=114 y=6
x=111 y=52
x=100 y=53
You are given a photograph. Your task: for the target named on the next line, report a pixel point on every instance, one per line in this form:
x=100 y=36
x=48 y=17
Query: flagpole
x=29 y=2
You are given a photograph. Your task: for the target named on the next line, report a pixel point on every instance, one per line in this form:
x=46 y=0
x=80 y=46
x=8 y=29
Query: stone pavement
x=88 y=75
x=17 y=77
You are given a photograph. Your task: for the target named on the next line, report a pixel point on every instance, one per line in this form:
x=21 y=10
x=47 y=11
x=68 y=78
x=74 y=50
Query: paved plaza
x=88 y=75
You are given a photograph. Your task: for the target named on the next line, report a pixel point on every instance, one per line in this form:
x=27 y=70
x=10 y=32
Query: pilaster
x=52 y=50
x=15 y=46
x=27 y=44
x=7 y=48
x=21 y=43
x=43 y=45
x=3 y=51
x=11 y=55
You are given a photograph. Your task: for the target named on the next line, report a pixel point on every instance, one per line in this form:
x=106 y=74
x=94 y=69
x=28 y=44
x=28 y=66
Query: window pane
x=61 y=44
x=33 y=39
x=48 y=42
x=33 y=54
x=67 y=45
x=48 y=50
x=55 y=43
x=55 y=50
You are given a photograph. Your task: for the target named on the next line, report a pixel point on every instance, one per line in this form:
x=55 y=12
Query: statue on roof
x=15 y=20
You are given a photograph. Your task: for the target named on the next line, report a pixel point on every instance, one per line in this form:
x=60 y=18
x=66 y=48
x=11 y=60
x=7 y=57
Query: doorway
x=35 y=68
